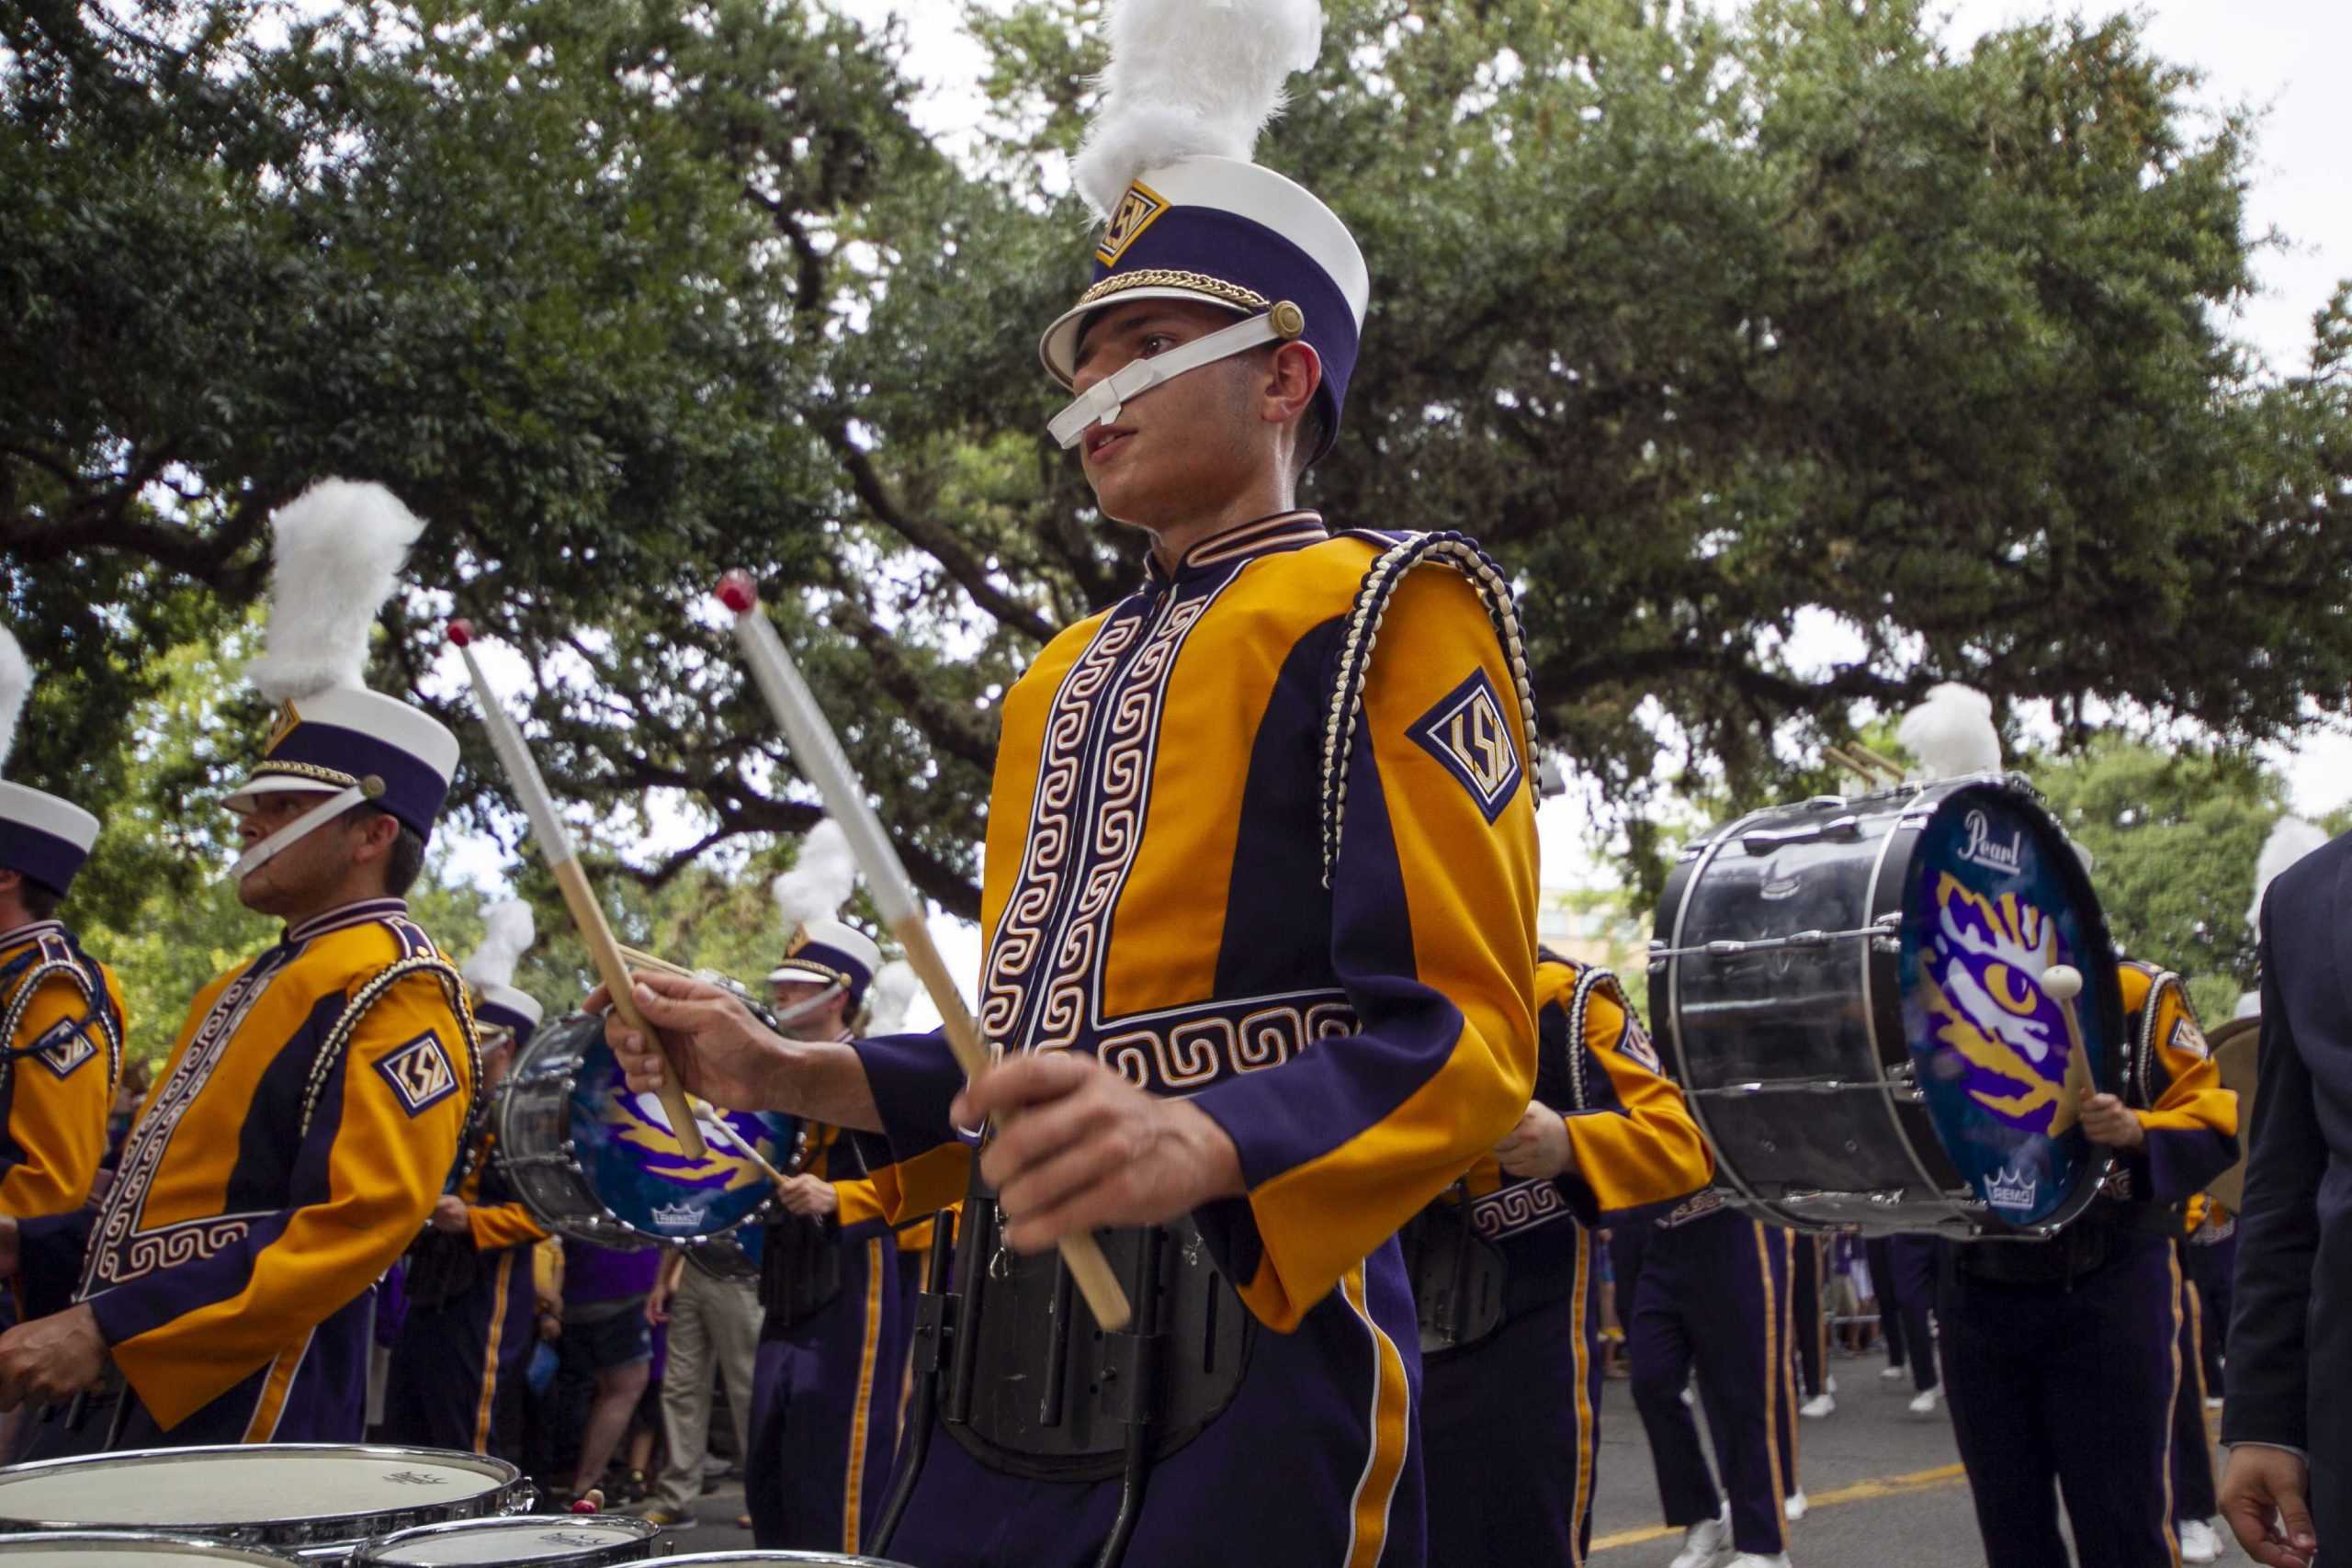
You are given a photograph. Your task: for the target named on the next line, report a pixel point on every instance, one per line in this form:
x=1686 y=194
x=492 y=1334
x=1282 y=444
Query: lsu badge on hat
x=1187 y=215
x=42 y=837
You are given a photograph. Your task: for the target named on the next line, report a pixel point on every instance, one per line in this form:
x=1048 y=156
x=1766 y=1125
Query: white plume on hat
x=16 y=685
x=1953 y=733
x=1190 y=77
x=820 y=881
x=338 y=557
x=2290 y=839
x=894 y=990
x=508 y=930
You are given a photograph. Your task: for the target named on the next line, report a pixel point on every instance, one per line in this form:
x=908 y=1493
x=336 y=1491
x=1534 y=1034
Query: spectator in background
x=607 y=1357
x=714 y=1324
x=129 y=1095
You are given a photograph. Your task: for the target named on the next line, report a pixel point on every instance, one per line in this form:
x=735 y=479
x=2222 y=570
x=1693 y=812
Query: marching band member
x=457 y=1372
x=1259 y=900
x=836 y=1281
x=311 y=1109
x=60 y=1011
x=2060 y=1357
x=1511 y=1397
x=2196 y=1505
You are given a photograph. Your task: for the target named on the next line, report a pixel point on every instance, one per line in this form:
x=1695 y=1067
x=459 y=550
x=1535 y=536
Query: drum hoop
x=1696 y=874
x=513 y=1495
x=220 y=1550
x=636 y=1545
x=607 y=1229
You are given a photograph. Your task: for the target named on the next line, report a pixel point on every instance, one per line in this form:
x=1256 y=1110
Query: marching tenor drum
x=127 y=1549
x=1850 y=991
x=596 y=1540
x=594 y=1162
x=310 y=1499
x=778 y=1560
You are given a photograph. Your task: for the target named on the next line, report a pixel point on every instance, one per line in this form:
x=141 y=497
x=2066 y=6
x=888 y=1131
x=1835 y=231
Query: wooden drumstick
x=555 y=847
x=821 y=760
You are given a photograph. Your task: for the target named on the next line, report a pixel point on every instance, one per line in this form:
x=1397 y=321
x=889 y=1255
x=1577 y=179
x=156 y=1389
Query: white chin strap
x=1101 y=403
x=269 y=849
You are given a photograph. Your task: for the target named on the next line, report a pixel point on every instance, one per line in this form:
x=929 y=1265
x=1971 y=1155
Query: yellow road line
x=1860 y=1492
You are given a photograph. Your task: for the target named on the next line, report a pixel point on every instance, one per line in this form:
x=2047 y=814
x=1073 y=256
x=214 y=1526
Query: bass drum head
x=634 y=1164
x=127 y=1549
x=1991 y=896
x=784 y=1559
x=276 y=1493
x=584 y=1543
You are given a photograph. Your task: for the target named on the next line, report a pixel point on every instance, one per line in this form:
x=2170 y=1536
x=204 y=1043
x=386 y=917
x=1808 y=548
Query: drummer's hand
x=50 y=1359
x=2264 y=1496
x=449 y=1215
x=720 y=1051
x=1089 y=1149
x=1538 y=1146
x=2107 y=1121
x=810 y=1197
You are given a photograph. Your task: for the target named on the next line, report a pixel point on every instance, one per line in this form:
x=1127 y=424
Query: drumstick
x=821 y=759
x=555 y=847
x=1852 y=765
x=1892 y=769
x=2061 y=983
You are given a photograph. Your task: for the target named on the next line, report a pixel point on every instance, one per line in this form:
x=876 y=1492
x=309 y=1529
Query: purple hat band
x=825 y=962
x=44 y=857
x=414 y=792
x=513 y=1021
x=1242 y=252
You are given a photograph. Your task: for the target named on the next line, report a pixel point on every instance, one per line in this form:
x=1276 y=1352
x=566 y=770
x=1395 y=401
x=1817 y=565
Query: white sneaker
x=2198 y=1542
x=1705 y=1543
x=1925 y=1404
x=1829 y=1384
x=1794 y=1506
x=1758 y=1559
x=1690 y=1397
x=1888 y=1374
x=1813 y=1409
x=2211 y=1403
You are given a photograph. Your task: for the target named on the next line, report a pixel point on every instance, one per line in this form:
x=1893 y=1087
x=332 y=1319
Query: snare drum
x=127 y=1549
x=1848 y=991
x=312 y=1498
x=594 y=1162
x=782 y=1559
x=545 y=1542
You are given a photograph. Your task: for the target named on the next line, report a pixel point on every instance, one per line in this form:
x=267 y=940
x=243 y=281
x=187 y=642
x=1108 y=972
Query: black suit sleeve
x=2277 y=1235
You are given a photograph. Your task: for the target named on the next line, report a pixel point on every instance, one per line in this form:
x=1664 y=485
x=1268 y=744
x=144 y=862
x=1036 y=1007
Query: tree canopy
x=1701 y=325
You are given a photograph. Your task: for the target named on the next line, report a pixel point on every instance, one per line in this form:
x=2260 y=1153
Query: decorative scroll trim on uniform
x=1523 y=1206
x=172 y=1246
x=1363 y=634
x=377 y=985
x=1160 y=278
x=1696 y=1207
x=307 y=771
x=1183 y=1049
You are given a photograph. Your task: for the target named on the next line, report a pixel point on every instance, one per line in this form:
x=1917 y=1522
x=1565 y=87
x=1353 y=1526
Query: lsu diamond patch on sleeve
x=420 y=1074
x=1469 y=735
x=2187 y=1039
x=64 y=1047
x=1636 y=1043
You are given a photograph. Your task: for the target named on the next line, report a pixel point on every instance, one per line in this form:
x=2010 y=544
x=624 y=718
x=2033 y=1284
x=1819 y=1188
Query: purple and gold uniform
x=456 y=1373
x=303 y=1128
x=61 y=1016
x=1511 y=1422
x=1335 y=963
x=2036 y=1417
x=830 y=1378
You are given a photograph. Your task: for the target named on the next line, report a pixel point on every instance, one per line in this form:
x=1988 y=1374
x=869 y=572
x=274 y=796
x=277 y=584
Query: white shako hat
x=818 y=946
x=508 y=930
x=1167 y=164
x=1953 y=733
x=42 y=837
x=338 y=554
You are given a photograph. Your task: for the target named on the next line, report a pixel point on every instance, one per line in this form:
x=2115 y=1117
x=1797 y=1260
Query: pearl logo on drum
x=1984 y=850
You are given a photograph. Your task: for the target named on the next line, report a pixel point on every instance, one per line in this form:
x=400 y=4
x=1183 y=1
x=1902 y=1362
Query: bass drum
x=1850 y=992
x=735 y=1257
x=594 y=1162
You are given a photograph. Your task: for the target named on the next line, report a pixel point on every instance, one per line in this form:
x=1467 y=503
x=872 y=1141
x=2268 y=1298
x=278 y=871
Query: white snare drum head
x=126 y=1549
x=253 y=1485
x=777 y=1559
x=528 y=1538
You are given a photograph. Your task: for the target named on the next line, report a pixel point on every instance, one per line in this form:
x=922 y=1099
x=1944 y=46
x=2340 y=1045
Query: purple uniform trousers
x=1713 y=1295
x=457 y=1375
x=826 y=1395
x=2066 y=1389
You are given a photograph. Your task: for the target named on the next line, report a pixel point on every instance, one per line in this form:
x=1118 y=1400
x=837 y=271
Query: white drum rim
x=788 y=1558
x=16 y=1541
x=632 y=1536
x=307 y=1530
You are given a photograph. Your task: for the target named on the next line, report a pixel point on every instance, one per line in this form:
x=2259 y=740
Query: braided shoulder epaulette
x=2140 y=1072
x=1590 y=981
x=55 y=958
x=374 y=990
x=1404 y=553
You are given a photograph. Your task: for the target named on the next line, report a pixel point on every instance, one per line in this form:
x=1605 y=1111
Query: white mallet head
x=2061 y=983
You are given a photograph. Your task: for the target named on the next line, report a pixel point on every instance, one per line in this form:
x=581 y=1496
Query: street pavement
x=1885 y=1486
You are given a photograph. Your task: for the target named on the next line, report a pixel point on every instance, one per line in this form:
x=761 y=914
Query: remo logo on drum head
x=1996 y=897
